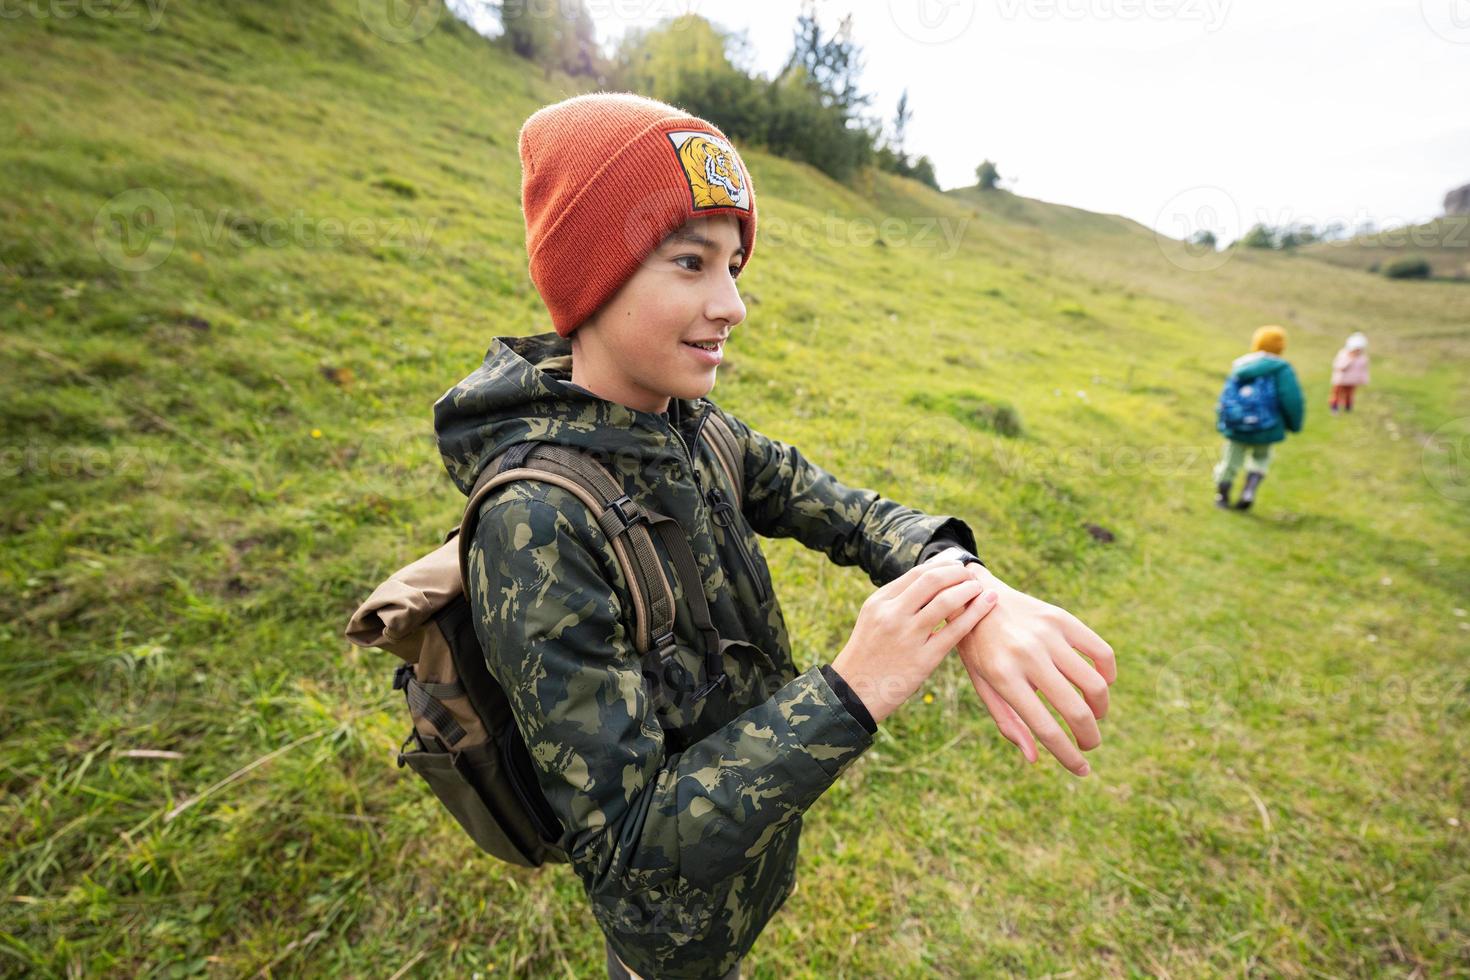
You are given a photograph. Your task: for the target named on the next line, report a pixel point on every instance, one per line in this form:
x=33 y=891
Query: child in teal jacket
x=1253 y=445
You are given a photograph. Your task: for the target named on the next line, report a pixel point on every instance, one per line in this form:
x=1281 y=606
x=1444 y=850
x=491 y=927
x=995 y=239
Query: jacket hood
x=524 y=392
x=1255 y=364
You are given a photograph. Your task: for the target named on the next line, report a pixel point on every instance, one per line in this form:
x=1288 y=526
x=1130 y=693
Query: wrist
x=985 y=576
x=851 y=702
x=859 y=686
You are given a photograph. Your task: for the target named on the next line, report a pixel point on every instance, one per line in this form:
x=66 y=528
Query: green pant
x=1235 y=453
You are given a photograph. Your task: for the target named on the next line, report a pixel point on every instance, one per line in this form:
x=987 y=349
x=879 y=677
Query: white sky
x=1176 y=113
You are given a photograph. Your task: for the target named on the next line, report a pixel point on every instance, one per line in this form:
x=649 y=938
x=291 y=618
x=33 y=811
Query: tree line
x=812 y=109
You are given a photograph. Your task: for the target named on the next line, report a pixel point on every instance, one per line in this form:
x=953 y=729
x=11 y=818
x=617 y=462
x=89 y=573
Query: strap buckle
x=628 y=511
x=663 y=648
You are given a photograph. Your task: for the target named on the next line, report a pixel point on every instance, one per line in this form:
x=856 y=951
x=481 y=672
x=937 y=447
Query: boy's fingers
x=1006 y=720
x=959 y=624
x=1085 y=678
x=1071 y=707
x=1081 y=636
x=1044 y=727
x=949 y=604
x=932 y=580
x=898 y=585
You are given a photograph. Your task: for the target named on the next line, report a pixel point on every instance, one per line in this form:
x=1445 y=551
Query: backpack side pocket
x=469 y=784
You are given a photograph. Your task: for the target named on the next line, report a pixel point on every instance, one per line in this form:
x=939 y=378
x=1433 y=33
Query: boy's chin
x=691 y=390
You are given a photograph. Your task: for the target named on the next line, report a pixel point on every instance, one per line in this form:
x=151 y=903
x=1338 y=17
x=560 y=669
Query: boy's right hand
x=894 y=646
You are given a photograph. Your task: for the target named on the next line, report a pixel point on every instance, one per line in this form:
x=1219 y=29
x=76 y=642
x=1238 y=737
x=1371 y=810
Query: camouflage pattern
x=681 y=816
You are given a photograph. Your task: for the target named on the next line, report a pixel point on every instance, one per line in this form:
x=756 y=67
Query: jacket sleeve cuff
x=953 y=533
x=849 y=699
x=829 y=734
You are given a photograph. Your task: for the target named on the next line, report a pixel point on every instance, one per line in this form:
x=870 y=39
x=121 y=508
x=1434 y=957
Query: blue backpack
x=1248 y=406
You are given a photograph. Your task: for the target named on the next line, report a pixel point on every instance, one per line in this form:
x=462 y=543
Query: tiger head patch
x=715 y=173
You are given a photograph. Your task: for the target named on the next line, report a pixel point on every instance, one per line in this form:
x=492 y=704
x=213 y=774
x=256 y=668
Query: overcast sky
x=1176 y=113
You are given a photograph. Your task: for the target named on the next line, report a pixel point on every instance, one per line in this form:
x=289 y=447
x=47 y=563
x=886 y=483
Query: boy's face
x=635 y=349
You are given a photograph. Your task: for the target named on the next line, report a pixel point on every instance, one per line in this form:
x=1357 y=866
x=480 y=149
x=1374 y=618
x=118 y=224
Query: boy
x=1252 y=429
x=681 y=812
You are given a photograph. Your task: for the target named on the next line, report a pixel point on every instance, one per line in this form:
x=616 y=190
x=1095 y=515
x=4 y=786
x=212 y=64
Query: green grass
x=210 y=461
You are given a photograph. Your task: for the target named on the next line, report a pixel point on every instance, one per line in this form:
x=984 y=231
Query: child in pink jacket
x=1349 y=370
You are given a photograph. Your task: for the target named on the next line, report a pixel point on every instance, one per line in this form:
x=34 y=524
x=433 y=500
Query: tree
x=1260 y=236
x=987 y=175
x=689 y=62
x=923 y=172
x=890 y=155
x=557 y=34
x=901 y=120
x=830 y=64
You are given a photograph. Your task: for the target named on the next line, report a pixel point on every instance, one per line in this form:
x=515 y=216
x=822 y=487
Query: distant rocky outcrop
x=1457 y=201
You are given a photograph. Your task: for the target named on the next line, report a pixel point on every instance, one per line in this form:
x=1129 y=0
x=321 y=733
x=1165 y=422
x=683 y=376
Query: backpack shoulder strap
x=716 y=431
x=628 y=526
x=619 y=517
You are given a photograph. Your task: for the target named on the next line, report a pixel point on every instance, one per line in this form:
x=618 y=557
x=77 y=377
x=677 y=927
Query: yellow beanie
x=1269 y=339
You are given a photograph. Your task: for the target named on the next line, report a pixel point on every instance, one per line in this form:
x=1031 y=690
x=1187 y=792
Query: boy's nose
x=726 y=304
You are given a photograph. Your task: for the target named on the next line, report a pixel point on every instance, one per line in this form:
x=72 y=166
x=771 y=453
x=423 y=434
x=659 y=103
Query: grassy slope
x=1285 y=753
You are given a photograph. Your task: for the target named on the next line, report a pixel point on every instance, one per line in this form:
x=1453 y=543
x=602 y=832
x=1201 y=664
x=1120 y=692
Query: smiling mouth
x=708 y=345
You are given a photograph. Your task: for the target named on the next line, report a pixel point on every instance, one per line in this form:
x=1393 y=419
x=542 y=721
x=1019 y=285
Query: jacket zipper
x=689 y=453
x=721 y=509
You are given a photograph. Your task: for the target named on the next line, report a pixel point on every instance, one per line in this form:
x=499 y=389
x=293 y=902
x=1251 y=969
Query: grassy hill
x=1444 y=243
x=244 y=251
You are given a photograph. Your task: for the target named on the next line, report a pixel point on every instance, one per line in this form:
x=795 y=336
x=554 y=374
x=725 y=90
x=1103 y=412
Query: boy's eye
x=734 y=269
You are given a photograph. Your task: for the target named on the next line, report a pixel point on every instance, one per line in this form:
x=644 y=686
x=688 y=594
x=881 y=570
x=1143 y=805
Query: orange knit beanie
x=604 y=178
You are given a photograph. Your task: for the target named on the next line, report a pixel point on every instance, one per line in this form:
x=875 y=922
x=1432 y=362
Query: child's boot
x=1248 y=492
x=1222 y=494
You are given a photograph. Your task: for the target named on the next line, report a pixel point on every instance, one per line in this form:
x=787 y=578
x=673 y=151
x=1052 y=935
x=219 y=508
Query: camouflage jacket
x=680 y=817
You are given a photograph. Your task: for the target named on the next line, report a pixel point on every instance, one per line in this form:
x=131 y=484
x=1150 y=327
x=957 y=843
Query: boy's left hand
x=1025 y=646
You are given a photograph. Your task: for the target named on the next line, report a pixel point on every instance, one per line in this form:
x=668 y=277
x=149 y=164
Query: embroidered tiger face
x=714 y=172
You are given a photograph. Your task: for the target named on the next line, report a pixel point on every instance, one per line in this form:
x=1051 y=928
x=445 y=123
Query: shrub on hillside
x=1409 y=267
x=1259 y=237
x=987 y=175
